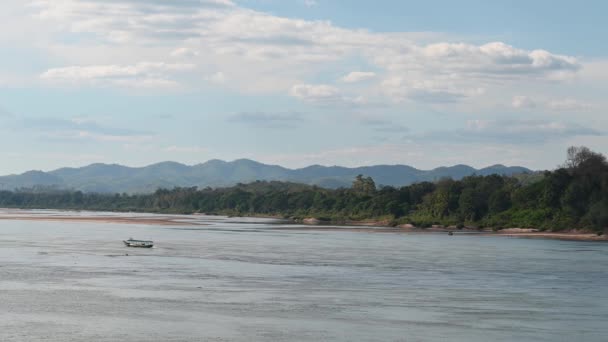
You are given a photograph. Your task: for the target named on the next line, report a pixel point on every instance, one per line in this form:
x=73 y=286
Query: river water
x=255 y=280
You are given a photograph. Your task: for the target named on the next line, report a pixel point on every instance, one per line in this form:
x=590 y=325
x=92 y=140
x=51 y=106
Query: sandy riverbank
x=556 y=236
x=382 y=227
x=514 y=232
x=149 y=220
x=353 y=226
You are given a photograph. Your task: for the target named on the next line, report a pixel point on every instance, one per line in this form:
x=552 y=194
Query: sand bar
x=191 y=220
x=149 y=220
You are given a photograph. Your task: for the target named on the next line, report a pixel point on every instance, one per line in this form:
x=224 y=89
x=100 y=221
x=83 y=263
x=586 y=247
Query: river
x=256 y=280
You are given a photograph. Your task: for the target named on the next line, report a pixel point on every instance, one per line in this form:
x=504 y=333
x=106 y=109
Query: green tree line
x=573 y=196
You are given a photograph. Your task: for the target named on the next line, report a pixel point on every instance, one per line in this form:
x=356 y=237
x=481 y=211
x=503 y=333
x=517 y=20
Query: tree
x=579 y=156
x=466 y=204
x=499 y=201
x=597 y=216
x=555 y=183
x=364 y=185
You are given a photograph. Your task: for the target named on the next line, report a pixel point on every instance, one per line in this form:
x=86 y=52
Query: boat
x=450 y=233
x=138 y=243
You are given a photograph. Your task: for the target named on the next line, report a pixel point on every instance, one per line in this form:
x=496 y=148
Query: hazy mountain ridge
x=216 y=173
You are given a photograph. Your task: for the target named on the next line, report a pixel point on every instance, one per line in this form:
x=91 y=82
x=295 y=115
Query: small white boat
x=138 y=243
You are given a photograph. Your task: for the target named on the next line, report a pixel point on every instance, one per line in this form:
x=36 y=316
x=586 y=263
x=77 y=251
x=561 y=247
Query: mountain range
x=113 y=178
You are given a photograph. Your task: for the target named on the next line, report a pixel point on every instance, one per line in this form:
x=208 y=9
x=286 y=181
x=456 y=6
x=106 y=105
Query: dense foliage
x=573 y=196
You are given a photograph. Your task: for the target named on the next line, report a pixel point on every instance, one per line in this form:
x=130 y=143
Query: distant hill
x=112 y=178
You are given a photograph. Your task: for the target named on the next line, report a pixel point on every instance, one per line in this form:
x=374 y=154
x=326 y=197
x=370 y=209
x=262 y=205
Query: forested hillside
x=105 y=178
x=573 y=196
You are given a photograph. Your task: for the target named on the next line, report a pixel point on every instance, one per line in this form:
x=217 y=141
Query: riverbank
x=384 y=226
x=368 y=226
x=113 y=218
x=569 y=236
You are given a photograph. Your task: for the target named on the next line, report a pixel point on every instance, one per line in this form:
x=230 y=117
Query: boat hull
x=139 y=244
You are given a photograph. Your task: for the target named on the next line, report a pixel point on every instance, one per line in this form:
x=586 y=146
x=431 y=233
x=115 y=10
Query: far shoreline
x=161 y=219
x=565 y=236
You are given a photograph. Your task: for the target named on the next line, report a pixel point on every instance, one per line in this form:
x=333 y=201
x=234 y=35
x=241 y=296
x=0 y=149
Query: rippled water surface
x=251 y=280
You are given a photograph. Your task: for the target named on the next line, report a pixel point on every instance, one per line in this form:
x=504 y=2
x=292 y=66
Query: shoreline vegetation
x=568 y=203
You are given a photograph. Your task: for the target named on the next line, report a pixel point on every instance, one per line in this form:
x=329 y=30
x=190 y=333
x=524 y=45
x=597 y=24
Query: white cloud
x=400 y=89
x=523 y=102
x=90 y=136
x=144 y=74
x=315 y=92
x=85 y=135
x=184 y=52
x=496 y=58
x=310 y=3
x=267 y=53
x=146 y=83
x=358 y=76
x=217 y=78
x=109 y=71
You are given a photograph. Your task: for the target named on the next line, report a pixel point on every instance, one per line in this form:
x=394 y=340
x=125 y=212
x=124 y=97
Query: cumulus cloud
x=144 y=74
x=217 y=77
x=496 y=58
x=110 y=71
x=264 y=52
x=358 y=76
x=184 y=52
x=315 y=92
x=447 y=72
x=522 y=102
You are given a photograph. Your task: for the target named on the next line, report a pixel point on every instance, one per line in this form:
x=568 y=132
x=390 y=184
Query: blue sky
x=301 y=82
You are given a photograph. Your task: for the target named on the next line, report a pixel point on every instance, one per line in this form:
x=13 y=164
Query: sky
x=301 y=82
